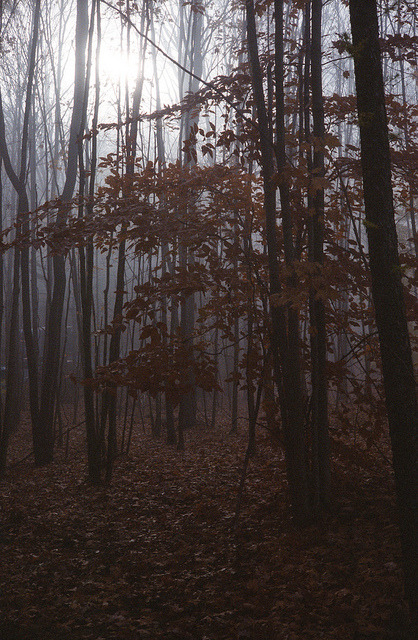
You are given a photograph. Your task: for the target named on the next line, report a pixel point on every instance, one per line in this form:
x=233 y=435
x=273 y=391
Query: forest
x=208 y=319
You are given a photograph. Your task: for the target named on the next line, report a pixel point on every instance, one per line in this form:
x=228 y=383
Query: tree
x=320 y=435
x=386 y=274
x=285 y=324
x=54 y=318
x=21 y=259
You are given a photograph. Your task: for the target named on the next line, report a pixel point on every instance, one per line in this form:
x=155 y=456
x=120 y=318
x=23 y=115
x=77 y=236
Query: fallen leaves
x=154 y=556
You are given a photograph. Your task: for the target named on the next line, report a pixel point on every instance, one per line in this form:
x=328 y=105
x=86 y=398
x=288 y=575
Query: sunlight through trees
x=208 y=219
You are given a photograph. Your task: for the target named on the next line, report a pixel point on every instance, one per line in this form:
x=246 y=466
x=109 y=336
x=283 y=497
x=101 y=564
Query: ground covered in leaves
x=154 y=556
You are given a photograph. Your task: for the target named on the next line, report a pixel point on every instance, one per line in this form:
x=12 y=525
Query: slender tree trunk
x=320 y=434
x=291 y=375
x=191 y=56
x=235 y=378
x=407 y=141
x=167 y=263
x=235 y=345
x=215 y=392
x=12 y=367
x=387 y=291
x=110 y=395
x=285 y=339
x=95 y=443
x=33 y=252
x=2 y=370
x=8 y=420
x=41 y=441
x=52 y=349
x=251 y=356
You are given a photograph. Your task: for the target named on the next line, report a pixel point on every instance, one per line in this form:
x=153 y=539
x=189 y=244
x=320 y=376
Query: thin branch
x=210 y=85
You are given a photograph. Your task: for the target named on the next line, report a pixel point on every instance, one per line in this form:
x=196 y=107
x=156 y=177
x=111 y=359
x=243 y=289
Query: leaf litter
x=154 y=556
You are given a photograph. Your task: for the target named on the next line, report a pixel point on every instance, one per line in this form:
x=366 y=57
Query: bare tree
x=54 y=318
x=21 y=259
x=285 y=323
x=388 y=298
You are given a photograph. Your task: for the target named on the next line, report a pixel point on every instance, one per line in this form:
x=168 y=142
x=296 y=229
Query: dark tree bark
x=110 y=395
x=86 y=255
x=166 y=261
x=388 y=299
x=320 y=435
x=52 y=349
x=42 y=443
x=8 y=420
x=285 y=339
x=1 y=293
x=236 y=345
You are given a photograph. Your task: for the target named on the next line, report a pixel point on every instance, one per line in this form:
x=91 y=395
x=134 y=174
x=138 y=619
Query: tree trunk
x=191 y=56
x=43 y=438
x=235 y=378
x=52 y=349
x=42 y=443
x=86 y=261
x=2 y=370
x=284 y=334
x=387 y=291
x=320 y=435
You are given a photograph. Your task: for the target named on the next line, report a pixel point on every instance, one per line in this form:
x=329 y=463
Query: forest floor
x=154 y=555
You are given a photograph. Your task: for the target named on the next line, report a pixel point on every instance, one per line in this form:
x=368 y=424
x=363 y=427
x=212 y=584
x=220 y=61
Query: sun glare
x=117 y=67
